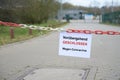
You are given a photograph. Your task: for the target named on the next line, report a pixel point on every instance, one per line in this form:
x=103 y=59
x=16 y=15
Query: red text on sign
x=75 y=43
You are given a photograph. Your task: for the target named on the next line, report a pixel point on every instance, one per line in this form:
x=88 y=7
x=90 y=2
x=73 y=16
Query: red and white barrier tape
x=99 y=32
x=9 y=24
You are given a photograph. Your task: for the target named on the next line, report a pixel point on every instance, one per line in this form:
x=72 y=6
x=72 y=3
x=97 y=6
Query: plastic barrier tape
x=98 y=32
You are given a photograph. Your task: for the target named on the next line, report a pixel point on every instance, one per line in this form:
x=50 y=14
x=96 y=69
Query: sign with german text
x=75 y=44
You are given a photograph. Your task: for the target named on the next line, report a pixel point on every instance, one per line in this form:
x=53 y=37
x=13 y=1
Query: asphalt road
x=42 y=52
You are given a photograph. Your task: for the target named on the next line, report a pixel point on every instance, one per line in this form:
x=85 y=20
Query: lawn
x=23 y=34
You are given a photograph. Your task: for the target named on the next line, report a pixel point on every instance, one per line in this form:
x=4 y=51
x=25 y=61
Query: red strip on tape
x=99 y=32
x=9 y=24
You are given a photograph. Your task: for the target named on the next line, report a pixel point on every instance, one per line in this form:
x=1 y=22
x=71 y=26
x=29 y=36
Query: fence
x=113 y=17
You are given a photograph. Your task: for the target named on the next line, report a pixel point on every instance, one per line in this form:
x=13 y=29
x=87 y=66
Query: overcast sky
x=93 y=2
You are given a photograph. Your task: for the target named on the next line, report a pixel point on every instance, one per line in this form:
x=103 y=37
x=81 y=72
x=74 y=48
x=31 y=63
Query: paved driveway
x=42 y=52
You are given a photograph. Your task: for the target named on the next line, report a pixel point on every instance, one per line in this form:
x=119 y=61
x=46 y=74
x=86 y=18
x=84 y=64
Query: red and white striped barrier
x=98 y=32
x=9 y=24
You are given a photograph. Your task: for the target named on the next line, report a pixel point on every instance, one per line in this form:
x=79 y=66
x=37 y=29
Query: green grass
x=53 y=24
x=21 y=34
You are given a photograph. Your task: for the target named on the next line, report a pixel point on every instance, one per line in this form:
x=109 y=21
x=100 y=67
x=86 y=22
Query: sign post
x=75 y=44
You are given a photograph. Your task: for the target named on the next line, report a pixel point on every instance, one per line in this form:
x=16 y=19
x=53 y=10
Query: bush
x=6 y=15
x=35 y=11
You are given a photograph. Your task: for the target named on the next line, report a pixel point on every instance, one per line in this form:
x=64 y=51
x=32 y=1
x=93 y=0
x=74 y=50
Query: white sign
x=75 y=44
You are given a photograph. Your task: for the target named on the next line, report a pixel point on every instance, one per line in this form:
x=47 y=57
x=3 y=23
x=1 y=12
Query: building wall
x=73 y=14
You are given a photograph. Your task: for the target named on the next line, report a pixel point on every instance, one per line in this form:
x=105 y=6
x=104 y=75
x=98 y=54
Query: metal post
x=112 y=10
x=102 y=12
x=61 y=9
x=112 y=7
